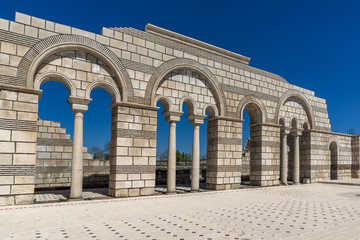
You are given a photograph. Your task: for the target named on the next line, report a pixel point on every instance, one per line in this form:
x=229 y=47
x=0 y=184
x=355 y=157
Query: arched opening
x=333 y=160
x=97 y=138
x=246 y=144
x=284 y=151
x=162 y=138
x=291 y=153
x=54 y=139
x=184 y=143
x=255 y=117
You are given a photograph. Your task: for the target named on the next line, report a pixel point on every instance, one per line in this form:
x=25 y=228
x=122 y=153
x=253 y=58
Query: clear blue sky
x=312 y=44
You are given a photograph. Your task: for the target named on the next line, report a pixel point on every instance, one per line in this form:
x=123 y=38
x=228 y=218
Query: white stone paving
x=316 y=211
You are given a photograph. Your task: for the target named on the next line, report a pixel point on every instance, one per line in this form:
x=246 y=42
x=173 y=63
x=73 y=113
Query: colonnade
x=195 y=120
x=284 y=155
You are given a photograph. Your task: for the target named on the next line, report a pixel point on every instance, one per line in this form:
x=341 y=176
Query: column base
x=75 y=199
x=171 y=193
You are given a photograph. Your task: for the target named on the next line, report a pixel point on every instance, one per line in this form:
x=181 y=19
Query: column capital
x=172 y=116
x=296 y=132
x=196 y=120
x=285 y=130
x=79 y=104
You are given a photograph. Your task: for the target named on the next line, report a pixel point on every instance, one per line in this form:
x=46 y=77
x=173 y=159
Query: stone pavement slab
x=352 y=182
x=314 y=211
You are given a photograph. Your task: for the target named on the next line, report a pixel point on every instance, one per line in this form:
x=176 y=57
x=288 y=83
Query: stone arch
x=56 y=76
x=333 y=139
x=190 y=104
x=212 y=110
x=333 y=147
x=165 y=101
x=294 y=122
x=51 y=45
x=255 y=107
x=306 y=125
x=302 y=99
x=183 y=63
x=282 y=122
x=107 y=86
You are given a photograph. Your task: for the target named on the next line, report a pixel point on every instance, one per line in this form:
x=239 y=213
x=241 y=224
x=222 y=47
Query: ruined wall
x=53 y=160
x=139 y=68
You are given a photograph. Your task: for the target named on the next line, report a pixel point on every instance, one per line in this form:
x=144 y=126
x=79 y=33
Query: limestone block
x=9 y=48
x=17 y=27
x=119 y=192
x=25 y=147
x=22 y=189
x=124 y=141
x=24 y=180
x=7 y=147
x=8 y=71
x=5 y=180
x=23 y=136
x=149 y=152
x=7 y=200
x=4 y=24
x=149 y=183
x=24 y=199
x=4 y=59
x=24 y=159
x=147 y=191
x=27 y=116
x=122 y=184
x=137 y=184
x=5 y=190
x=5 y=159
x=26 y=97
x=25 y=107
x=63 y=29
x=134 y=192
x=9 y=95
x=134 y=151
x=5 y=135
x=140 y=161
x=31 y=31
x=37 y=22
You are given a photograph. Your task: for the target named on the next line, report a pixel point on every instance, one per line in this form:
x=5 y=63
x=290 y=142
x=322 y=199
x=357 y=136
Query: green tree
x=178 y=156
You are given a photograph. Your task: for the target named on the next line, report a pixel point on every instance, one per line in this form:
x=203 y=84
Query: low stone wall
x=183 y=176
x=53 y=160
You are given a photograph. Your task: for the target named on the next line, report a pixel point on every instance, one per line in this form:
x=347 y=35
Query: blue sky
x=312 y=44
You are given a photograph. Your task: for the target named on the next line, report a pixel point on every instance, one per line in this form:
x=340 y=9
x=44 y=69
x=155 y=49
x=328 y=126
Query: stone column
x=296 y=165
x=196 y=121
x=172 y=118
x=284 y=157
x=78 y=106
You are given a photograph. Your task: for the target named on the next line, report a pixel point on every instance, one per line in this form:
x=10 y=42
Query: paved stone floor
x=314 y=211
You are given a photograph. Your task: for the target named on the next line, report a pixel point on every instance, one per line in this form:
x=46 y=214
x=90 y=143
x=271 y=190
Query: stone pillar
x=265 y=154
x=133 y=150
x=224 y=155
x=18 y=129
x=78 y=106
x=172 y=118
x=284 y=157
x=196 y=121
x=296 y=165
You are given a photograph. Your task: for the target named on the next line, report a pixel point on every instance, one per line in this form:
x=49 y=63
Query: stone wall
x=53 y=160
x=139 y=69
x=18 y=115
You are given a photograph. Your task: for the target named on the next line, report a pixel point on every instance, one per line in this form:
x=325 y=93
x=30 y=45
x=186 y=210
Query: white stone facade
x=140 y=68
